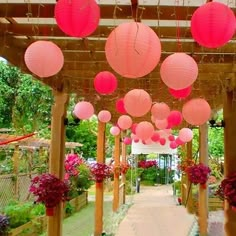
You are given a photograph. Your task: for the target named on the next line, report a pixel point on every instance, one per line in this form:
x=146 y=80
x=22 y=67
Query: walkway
x=155 y=213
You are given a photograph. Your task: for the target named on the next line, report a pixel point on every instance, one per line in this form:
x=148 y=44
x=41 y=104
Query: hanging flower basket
x=184 y=164
x=124 y=167
x=100 y=171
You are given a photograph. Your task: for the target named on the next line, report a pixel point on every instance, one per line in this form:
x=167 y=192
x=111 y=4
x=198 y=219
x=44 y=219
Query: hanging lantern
x=44 y=58
x=213 y=24
x=160 y=111
x=120 y=106
x=181 y=93
x=161 y=124
x=124 y=122
x=155 y=137
x=174 y=119
x=144 y=130
x=127 y=140
x=133 y=49
x=77 y=18
x=179 y=71
x=185 y=135
x=104 y=116
x=114 y=130
x=83 y=110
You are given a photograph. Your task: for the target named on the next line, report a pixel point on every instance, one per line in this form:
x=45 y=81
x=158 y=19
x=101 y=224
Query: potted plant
x=4 y=225
x=49 y=191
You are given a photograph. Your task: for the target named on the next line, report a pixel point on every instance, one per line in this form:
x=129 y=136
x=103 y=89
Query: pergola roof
x=22 y=22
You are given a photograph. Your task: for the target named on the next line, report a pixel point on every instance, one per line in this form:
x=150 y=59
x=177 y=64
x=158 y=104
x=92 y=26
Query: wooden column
x=15 y=159
x=116 y=184
x=123 y=154
x=230 y=155
x=57 y=155
x=98 y=229
x=203 y=192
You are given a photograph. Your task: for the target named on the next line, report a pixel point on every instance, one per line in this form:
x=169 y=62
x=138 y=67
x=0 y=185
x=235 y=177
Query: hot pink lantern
x=144 y=130
x=105 y=82
x=77 y=18
x=171 y=138
x=155 y=137
x=104 y=116
x=175 y=118
x=44 y=58
x=161 y=124
x=181 y=93
x=213 y=24
x=179 y=71
x=124 y=122
x=133 y=128
x=186 y=135
x=137 y=102
x=162 y=141
x=127 y=140
x=83 y=110
x=114 y=130
x=179 y=141
x=136 y=140
x=196 y=111
x=120 y=106
x=133 y=49
x=173 y=145
x=160 y=110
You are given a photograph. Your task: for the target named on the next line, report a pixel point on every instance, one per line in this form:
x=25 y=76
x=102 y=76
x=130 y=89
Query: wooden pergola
x=23 y=22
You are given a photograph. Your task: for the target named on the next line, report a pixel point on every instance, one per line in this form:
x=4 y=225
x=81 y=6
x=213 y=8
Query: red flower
x=100 y=171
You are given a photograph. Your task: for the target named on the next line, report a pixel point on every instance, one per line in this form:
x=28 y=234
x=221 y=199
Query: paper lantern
x=161 y=124
x=171 y=138
x=124 y=122
x=144 y=130
x=77 y=18
x=196 y=111
x=44 y=58
x=160 y=110
x=162 y=141
x=127 y=140
x=133 y=49
x=137 y=102
x=120 y=106
x=179 y=71
x=147 y=142
x=83 y=110
x=181 y=93
x=133 y=128
x=155 y=137
x=175 y=118
x=179 y=141
x=104 y=116
x=186 y=135
x=213 y=24
x=173 y=145
x=136 y=140
x=105 y=82
x=114 y=130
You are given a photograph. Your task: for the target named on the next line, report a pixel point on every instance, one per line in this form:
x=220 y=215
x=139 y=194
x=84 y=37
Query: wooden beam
x=124 y=161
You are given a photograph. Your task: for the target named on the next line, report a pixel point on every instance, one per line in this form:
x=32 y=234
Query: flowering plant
x=100 y=171
x=124 y=166
x=147 y=164
x=71 y=164
x=184 y=164
x=4 y=225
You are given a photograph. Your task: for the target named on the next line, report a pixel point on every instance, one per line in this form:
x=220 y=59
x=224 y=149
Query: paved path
x=155 y=213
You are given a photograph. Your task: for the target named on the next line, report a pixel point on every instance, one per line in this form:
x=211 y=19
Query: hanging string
x=179 y=45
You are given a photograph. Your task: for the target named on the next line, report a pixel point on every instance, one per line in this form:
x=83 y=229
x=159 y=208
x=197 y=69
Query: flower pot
x=99 y=184
x=49 y=211
x=203 y=186
x=233 y=208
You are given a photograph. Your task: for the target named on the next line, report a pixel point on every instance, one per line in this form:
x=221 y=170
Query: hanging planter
x=100 y=171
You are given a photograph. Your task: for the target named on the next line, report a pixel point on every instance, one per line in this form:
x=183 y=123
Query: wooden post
x=15 y=159
x=116 y=176
x=123 y=154
x=99 y=189
x=57 y=155
x=230 y=155
x=203 y=192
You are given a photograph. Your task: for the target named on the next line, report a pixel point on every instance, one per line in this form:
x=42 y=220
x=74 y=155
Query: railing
x=121 y=194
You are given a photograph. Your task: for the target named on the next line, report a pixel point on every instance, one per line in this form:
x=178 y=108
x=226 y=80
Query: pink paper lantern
x=83 y=110
x=162 y=141
x=179 y=71
x=77 y=18
x=133 y=128
x=127 y=140
x=114 y=130
x=171 y=138
x=144 y=130
x=186 y=135
x=133 y=49
x=120 y=106
x=213 y=24
x=161 y=124
x=104 y=116
x=136 y=140
x=44 y=58
x=175 y=118
x=137 y=102
x=147 y=142
x=173 y=145
x=155 y=137
x=124 y=122
x=160 y=111
x=181 y=93
x=179 y=141
x=196 y=111
x=105 y=82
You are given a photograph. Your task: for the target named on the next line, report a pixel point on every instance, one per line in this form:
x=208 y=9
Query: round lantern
x=213 y=24
x=196 y=111
x=133 y=128
x=160 y=111
x=179 y=71
x=162 y=141
x=120 y=106
x=155 y=137
x=77 y=18
x=133 y=49
x=104 y=116
x=44 y=58
x=173 y=145
x=181 y=93
x=105 y=82
x=114 y=130
x=171 y=138
x=175 y=118
x=137 y=102
x=124 y=122
x=83 y=110
x=186 y=135
x=161 y=124
x=144 y=130
x=127 y=140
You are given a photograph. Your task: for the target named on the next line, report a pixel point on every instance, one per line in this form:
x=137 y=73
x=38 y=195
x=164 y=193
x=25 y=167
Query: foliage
x=149 y=175
x=100 y=171
x=38 y=210
x=69 y=209
x=216 y=168
x=4 y=225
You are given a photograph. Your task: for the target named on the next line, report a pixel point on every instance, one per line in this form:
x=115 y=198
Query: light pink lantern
x=137 y=102
x=160 y=111
x=133 y=49
x=213 y=24
x=124 y=122
x=161 y=124
x=44 y=58
x=127 y=140
x=144 y=130
x=83 y=110
x=120 y=106
x=186 y=135
x=175 y=118
x=162 y=141
x=173 y=145
x=196 y=111
x=181 y=93
x=104 y=116
x=147 y=141
x=105 y=82
x=179 y=71
x=77 y=18
x=155 y=137
x=114 y=130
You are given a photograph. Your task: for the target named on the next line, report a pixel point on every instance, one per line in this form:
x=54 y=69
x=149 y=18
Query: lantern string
x=179 y=45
